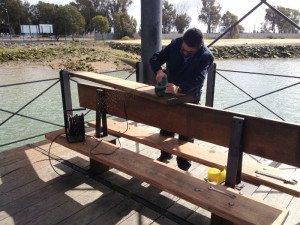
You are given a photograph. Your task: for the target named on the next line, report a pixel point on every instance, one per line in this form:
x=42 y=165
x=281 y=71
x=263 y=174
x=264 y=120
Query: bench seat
x=201 y=154
x=243 y=209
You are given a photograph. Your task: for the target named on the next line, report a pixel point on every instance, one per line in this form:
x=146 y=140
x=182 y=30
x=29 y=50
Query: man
x=188 y=60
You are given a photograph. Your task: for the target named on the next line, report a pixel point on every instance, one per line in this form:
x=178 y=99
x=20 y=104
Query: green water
x=48 y=107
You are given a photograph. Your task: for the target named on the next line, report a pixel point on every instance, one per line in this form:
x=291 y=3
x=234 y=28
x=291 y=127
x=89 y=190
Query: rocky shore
x=225 y=52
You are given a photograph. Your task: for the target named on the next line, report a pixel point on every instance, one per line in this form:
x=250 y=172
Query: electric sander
x=160 y=88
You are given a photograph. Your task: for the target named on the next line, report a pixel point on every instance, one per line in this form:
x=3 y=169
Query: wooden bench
x=178 y=182
x=265 y=138
x=200 y=154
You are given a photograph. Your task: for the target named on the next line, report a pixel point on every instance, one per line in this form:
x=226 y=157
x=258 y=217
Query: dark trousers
x=182 y=163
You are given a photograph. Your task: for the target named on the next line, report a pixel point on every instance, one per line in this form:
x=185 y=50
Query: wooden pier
x=32 y=192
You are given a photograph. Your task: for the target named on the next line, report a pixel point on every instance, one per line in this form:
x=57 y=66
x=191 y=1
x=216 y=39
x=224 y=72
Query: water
x=49 y=106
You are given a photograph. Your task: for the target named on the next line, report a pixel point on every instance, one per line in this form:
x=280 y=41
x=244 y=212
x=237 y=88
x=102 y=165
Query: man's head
x=192 y=41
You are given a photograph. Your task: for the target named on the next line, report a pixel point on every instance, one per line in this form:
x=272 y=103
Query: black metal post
x=210 y=87
x=66 y=95
x=234 y=163
x=101 y=120
x=151 y=25
x=235 y=154
x=139 y=72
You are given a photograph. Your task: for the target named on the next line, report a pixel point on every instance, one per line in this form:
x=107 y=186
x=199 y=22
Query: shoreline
x=233 y=52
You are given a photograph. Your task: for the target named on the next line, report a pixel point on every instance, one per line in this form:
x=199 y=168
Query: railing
x=18 y=112
x=210 y=87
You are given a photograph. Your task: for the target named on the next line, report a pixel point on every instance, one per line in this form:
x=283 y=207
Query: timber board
x=202 y=155
x=133 y=88
x=245 y=209
x=271 y=139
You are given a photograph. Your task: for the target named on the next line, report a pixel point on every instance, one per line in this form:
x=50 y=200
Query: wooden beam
x=275 y=140
x=135 y=88
x=243 y=209
x=201 y=154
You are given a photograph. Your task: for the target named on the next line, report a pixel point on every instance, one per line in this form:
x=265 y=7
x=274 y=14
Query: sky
x=237 y=7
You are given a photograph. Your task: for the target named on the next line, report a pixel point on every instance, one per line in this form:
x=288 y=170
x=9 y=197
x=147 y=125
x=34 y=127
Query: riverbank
x=233 y=48
x=73 y=56
x=100 y=56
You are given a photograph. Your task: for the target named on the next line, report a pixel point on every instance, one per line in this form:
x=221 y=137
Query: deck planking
x=79 y=199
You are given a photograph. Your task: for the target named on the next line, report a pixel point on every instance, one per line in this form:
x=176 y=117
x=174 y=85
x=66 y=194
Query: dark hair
x=193 y=38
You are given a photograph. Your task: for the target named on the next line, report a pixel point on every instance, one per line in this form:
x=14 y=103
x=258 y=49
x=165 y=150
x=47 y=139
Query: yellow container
x=216 y=175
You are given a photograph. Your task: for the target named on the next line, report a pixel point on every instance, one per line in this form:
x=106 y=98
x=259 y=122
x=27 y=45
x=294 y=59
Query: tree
x=43 y=13
x=210 y=14
x=182 y=22
x=168 y=17
x=282 y=25
x=13 y=13
x=227 y=20
x=124 y=25
x=68 y=21
x=100 y=24
x=88 y=9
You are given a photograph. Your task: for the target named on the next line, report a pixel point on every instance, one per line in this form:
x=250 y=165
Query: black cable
x=49 y=157
x=119 y=189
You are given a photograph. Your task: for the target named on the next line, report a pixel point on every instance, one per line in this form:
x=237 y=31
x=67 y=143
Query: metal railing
x=18 y=112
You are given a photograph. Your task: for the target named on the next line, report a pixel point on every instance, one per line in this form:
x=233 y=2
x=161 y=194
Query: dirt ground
x=101 y=58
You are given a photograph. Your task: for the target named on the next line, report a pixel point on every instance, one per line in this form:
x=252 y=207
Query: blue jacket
x=189 y=76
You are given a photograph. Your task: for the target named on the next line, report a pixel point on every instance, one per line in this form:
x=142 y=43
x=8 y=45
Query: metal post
x=210 y=87
x=101 y=120
x=234 y=163
x=235 y=154
x=139 y=72
x=151 y=25
x=66 y=95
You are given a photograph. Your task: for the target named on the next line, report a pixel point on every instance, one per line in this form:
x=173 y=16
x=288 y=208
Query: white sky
x=237 y=7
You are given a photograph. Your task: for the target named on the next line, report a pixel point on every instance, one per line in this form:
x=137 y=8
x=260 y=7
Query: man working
x=188 y=60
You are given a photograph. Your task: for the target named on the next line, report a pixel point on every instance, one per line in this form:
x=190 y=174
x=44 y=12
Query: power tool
x=160 y=88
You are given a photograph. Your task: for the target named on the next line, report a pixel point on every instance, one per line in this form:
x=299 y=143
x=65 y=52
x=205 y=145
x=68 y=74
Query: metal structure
x=151 y=25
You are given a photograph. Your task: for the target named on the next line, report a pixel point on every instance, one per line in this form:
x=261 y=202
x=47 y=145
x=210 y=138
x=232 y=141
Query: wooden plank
x=242 y=210
x=201 y=154
x=275 y=140
x=134 y=88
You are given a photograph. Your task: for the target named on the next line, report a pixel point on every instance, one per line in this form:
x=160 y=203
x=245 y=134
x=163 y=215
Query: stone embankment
x=226 y=52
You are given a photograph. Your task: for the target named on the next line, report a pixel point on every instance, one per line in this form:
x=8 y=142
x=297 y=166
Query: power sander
x=160 y=88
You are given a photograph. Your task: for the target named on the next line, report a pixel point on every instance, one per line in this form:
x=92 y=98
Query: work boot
x=183 y=163
x=164 y=157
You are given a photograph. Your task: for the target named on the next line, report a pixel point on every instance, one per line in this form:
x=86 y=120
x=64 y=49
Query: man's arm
x=158 y=59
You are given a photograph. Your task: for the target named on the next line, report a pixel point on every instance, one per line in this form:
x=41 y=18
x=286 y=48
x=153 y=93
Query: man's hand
x=159 y=75
x=171 y=88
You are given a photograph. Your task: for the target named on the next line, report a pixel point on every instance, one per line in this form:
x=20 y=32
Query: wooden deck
x=31 y=192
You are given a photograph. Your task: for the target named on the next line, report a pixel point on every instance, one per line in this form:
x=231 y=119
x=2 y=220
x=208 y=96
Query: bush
x=125 y=38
